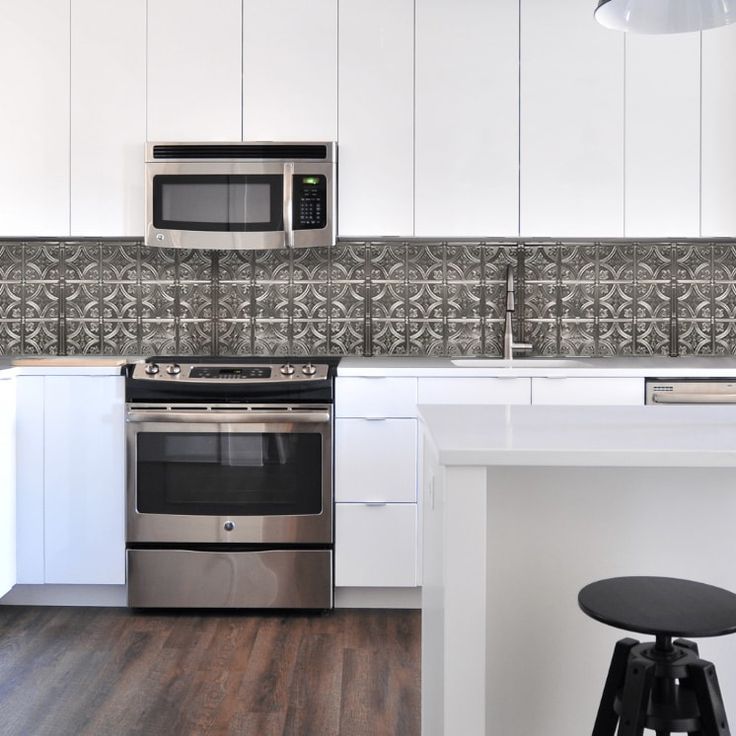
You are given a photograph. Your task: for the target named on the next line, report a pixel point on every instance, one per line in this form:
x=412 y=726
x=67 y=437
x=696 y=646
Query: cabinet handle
x=375 y=504
x=375 y=419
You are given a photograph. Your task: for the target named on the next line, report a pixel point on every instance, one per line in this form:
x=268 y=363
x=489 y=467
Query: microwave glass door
x=229 y=473
x=218 y=202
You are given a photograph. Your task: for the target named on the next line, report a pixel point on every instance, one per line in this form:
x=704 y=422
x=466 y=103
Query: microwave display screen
x=218 y=202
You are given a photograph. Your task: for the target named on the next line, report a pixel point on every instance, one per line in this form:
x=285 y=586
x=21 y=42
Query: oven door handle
x=231 y=417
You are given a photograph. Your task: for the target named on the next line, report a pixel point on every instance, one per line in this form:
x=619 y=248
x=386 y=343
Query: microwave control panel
x=310 y=201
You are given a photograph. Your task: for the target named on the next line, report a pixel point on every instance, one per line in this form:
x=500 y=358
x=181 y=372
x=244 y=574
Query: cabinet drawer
x=376 y=397
x=376 y=546
x=473 y=391
x=588 y=391
x=376 y=460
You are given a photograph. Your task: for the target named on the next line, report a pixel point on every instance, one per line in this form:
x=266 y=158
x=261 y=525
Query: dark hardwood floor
x=111 y=672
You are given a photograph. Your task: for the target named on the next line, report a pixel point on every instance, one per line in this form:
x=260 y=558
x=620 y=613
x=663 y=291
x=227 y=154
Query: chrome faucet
x=508 y=331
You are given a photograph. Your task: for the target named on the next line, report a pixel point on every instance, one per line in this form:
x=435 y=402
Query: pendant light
x=665 y=16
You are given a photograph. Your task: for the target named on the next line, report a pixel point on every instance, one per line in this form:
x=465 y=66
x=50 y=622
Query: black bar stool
x=662 y=685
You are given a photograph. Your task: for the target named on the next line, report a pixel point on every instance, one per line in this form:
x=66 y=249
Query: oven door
x=229 y=474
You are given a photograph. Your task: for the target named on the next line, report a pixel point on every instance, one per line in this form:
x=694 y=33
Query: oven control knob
x=174 y=369
x=309 y=369
x=151 y=369
x=287 y=369
x=229 y=526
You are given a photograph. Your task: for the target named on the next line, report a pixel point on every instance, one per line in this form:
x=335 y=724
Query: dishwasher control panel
x=691 y=391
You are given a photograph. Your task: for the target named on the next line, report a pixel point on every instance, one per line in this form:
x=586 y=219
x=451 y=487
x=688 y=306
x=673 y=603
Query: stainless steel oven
x=229 y=503
x=241 y=195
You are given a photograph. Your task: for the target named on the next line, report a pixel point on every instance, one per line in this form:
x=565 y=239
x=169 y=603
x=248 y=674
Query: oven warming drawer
x=177 y=578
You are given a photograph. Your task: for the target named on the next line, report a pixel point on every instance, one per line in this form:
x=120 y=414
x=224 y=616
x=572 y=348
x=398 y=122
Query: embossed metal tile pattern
x=368 y=298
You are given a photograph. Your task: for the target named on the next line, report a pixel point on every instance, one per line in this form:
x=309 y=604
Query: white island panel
x=526 y=505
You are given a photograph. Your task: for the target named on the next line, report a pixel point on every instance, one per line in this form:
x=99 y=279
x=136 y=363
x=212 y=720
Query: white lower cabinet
x=7 y=485
x=30 y=478
x=71 y=484
x=612 y=391
x=486 y=390
x=376 y=460
x=377 y=531
x=376 y=545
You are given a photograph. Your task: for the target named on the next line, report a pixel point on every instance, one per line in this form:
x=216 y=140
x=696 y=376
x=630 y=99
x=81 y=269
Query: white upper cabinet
x=663 y=135
x=34 y=122
x=467 y=118
x=290 y=70
x=194 y=70
x=108 y=117
x=376 y=117
x=572 y=106
x=718 y=185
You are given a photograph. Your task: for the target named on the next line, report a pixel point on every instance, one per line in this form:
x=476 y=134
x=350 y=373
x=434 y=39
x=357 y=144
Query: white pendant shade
x=665 y=16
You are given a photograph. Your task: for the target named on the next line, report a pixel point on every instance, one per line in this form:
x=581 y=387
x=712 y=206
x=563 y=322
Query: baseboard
x=115 y=596
x=66 y=595
x=378 y=597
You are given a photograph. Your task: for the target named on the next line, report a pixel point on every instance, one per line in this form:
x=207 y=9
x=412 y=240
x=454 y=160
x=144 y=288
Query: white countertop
x=66 y=365
x=625 y=436
x=654 y=367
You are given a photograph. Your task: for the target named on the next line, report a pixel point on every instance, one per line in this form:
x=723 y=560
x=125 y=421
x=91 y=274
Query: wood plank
x=107 y=672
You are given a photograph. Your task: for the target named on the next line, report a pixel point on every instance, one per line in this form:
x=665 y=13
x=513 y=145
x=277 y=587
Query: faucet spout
x=509 y=345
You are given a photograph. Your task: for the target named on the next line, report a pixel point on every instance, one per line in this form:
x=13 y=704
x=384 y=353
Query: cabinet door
x=467 y=118
x=718 y=184
x=376 y=545
x=572 y=104
x=375 y=397
x=376 y=460
x=30 y=478
x=290 y=70
x=474 y=391
x=7 y=486
x=376 y=117
x=662 y=135
x=34 y=122
x=588 y=391
x=194 y=70
x=84 y=462
x=108 y=117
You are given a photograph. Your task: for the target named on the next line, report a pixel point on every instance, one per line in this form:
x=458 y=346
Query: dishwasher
x=691 y=391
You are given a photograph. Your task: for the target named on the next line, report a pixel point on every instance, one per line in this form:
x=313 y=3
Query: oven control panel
x=231 y=373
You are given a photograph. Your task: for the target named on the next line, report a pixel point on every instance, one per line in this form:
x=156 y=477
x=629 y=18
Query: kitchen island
x=522 y=506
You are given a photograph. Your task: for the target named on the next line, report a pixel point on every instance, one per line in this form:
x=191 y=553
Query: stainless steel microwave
x=234 y=196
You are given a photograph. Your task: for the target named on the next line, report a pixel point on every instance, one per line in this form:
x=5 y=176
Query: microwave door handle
x=288 y=205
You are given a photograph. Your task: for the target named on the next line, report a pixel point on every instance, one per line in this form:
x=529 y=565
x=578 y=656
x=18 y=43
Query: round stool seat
x=661 y=606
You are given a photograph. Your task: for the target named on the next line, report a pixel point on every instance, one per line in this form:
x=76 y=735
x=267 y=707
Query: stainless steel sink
x=520 y=363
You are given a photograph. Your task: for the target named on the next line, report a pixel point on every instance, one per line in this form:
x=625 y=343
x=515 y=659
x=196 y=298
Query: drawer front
x=473 y=391
x=277 y=578
x=376 y=546
x=376 y=460
x=588 y=391
x=376 y=397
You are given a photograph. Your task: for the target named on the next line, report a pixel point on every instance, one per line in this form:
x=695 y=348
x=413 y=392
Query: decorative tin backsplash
x=368 y=298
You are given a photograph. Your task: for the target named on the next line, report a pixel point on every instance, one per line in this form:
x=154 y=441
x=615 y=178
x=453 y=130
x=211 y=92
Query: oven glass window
x=237 y=203
x=229 y=474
